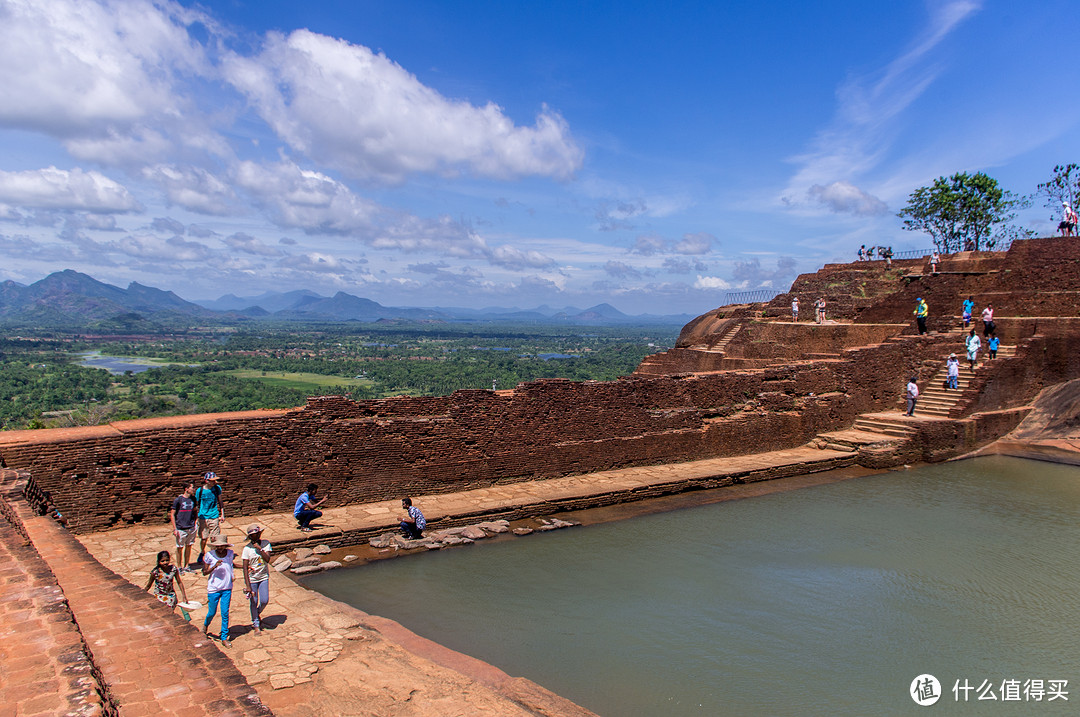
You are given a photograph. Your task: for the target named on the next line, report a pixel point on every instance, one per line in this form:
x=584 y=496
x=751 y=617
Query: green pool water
x=827 y=600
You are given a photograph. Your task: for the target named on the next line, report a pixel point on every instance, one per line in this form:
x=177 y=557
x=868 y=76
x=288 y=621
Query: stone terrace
x=79 y=620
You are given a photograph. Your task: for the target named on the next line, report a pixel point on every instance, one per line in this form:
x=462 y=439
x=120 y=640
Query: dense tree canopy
x=964 y=212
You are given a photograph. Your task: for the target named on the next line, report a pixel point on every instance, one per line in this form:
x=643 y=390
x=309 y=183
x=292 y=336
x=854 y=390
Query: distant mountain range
x=70 y=299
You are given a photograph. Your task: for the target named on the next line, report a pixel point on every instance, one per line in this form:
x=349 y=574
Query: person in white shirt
x=255 y=558
x=794 y=308
x=973 y=343
x=912 y=395
x=218 y=566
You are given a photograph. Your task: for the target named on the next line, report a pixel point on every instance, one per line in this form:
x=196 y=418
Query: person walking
x=182 y=515
x=255 y=558
x=819 y=306
x=1068 y=220
x=972 y=343
x=887 y=253
x=952 y=367
x=935 y=259
x=988 y=321
x=922 y=310
x=208 y=499
x=965 y=315
x=304 y=510
x=795 y=308
x=413 y=523
x=218 y=566
x=992 y=346
x=165 y=579
x=912 y=395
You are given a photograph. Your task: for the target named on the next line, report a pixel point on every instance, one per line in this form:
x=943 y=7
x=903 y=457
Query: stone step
x=890 y=429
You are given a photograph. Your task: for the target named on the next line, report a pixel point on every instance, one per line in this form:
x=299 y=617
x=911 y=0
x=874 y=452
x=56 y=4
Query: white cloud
x=250 y=245
x=357 y=111
x=694 y=244
x=192 y=188
x=73 y=68
x=306 y=199
x=711 y=282
x=53 y=188
x=514 y=258
x=172 y=249
x=845 y=198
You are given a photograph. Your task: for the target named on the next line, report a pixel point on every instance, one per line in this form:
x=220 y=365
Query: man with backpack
x=208 y=500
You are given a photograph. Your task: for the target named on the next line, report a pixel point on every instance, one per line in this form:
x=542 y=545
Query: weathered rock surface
x=301 y=553
x=321 y=550
x=306 y=569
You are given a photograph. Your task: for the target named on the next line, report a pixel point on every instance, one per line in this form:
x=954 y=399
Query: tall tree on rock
x=964 y=212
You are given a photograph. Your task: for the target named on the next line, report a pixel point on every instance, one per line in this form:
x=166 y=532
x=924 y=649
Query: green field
x=298 y=381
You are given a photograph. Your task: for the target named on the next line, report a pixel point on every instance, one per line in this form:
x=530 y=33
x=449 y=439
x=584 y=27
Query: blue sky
x=652 y=156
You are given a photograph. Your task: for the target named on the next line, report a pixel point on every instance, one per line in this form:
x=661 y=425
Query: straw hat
x=253 y=528
x=220 y=541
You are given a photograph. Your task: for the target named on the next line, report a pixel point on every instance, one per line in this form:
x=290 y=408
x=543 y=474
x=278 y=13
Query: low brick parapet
x=149 y=661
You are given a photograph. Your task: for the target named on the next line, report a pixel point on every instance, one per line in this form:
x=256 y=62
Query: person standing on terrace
x=988 y=321
x=794 y=308
x=921 y=312
x=912 y=395
x=952 y=367
x=218 y=565
x=935 y=259
x=182 y=516
x=819 y=305
x=973 y=343
x=255 y=558
x=208 y=499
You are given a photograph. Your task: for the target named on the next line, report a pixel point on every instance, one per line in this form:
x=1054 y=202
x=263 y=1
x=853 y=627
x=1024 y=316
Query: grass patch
x=299 y=381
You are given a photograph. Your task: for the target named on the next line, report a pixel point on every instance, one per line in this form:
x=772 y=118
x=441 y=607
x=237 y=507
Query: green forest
x=42 y=384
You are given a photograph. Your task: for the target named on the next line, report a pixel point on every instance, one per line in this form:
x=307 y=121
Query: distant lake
x=557 y=356
x=119 y=364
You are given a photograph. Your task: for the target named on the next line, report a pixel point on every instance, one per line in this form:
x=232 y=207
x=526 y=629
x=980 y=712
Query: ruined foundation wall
x=129 y=472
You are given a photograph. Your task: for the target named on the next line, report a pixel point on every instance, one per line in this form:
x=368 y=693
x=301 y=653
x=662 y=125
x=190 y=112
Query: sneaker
x=226 y=643
x=305 y=530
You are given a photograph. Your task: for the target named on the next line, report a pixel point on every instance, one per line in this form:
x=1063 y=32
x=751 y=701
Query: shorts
x=185 y=537
x=209 y=528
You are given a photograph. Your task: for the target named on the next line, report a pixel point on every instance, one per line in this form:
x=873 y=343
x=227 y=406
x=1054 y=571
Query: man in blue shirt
x=208 y=498
x=413 y=523
x=304 y=510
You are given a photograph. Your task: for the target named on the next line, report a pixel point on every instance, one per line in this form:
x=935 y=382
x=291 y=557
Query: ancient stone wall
x=128 y=472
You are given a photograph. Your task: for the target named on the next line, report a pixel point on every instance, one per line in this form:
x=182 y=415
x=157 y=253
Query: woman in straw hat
x=218 y=566
x=255 y=558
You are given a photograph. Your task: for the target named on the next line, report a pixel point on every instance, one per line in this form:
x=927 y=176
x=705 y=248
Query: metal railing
x=751 y=297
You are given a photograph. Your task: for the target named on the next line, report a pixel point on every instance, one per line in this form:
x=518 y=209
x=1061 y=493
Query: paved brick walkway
x=149 y=661
x=307 y=631
x=44 y=665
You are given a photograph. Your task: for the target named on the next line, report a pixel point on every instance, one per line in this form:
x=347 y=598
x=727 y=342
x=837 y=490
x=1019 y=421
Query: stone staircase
x=935 y=401
x=719 y=346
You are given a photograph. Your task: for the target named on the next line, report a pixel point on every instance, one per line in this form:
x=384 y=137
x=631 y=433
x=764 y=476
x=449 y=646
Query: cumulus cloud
x=167 y=225
x=306 y=199
x=71 y=67
x=683 y=266
x=171 y=249
x=691 y=244
x=694 y=244
x=250 y=245
x=615 y=215
x=62 y=189
x=752 y=275
x=621 y=270
x=192 y=188
x=846 y=198
x=514 y=258
x=358 y=111
x=711 y=282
